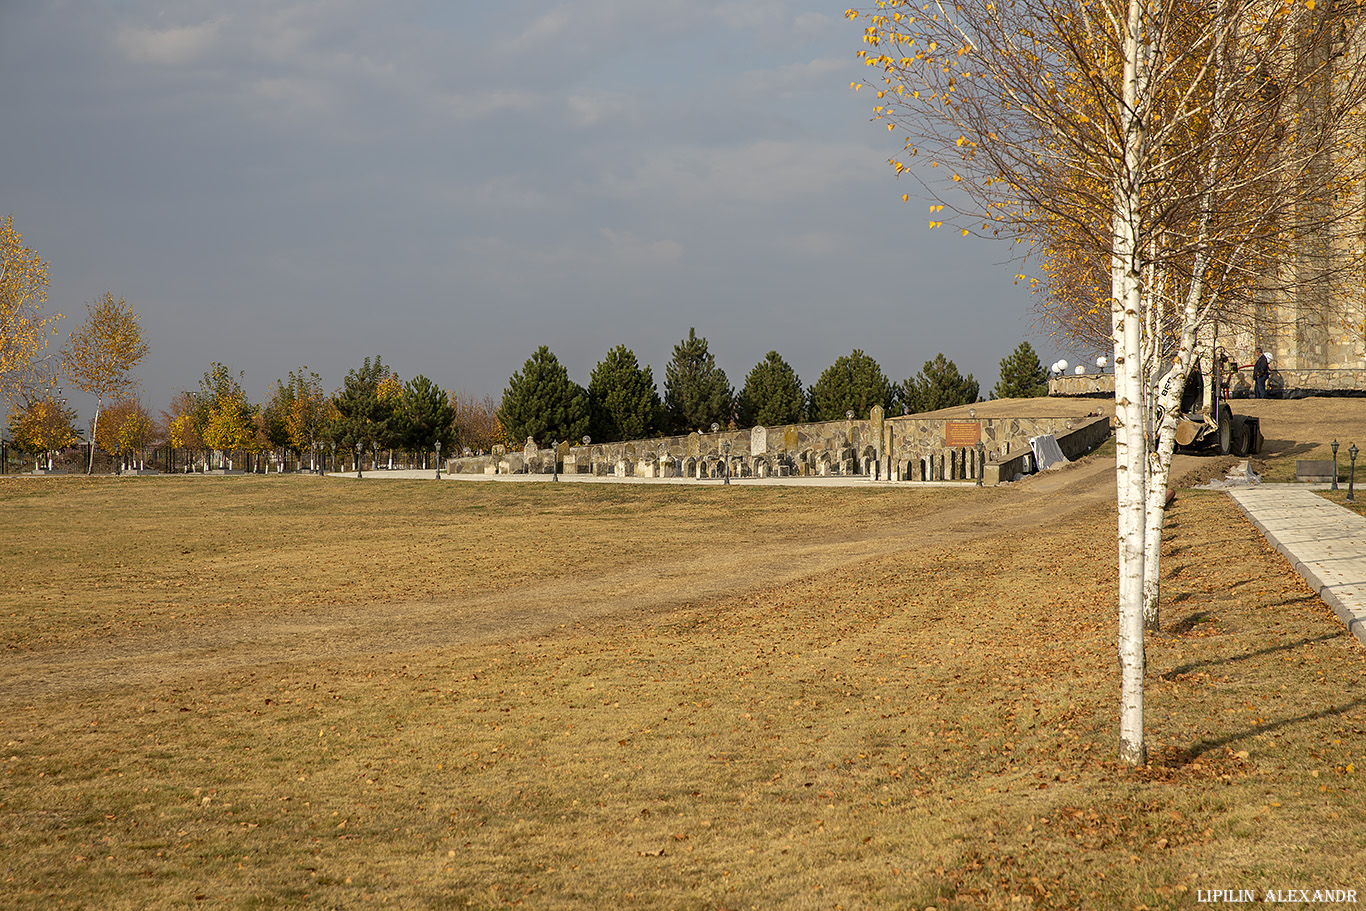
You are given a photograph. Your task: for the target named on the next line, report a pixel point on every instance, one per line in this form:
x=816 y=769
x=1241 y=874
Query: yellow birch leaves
x=100 y=354
x=24 y=329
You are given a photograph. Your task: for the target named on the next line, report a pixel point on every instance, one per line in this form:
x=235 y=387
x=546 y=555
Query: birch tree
x=43 y=425
x=1180 y=144
x=99 y=356
x=24 y=329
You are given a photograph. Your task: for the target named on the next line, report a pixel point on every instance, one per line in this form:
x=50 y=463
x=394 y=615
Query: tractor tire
x=1225 y=431
x=1242 y=440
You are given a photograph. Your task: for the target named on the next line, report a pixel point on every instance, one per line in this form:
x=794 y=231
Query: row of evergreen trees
x=621 y=401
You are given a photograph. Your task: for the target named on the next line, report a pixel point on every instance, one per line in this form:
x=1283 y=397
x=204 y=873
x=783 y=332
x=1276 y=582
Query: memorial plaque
x=758 y=441
x=962 y=433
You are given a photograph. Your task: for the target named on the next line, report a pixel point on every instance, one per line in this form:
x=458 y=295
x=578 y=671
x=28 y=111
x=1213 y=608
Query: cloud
x=497 y=194
x=295 y=94
x=463 y=107
x=589 y=108
x=761 y=173
x=602 y=255
x=813 y=245
x=169 y=46
x=797 y=78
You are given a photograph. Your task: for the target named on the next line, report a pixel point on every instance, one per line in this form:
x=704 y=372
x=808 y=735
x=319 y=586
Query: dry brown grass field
x=292 y=692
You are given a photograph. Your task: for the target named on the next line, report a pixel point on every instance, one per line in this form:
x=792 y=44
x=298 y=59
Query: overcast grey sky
x=449 y=185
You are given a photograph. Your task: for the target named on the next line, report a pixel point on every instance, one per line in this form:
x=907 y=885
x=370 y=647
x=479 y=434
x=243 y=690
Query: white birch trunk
x=1130 y=449
x=1167 y=400
x=94 y=428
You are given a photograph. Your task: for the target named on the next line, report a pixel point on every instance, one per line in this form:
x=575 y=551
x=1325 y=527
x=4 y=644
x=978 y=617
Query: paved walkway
x=1324 y=542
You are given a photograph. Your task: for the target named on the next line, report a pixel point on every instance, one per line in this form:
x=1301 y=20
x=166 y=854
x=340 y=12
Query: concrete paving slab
x=1324 y=542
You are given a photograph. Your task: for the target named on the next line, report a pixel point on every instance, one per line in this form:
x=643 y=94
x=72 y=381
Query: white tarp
x=1240 y=475
x=1047 y=453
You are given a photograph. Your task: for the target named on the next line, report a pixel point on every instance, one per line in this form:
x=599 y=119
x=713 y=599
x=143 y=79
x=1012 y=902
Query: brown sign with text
x=962 y=433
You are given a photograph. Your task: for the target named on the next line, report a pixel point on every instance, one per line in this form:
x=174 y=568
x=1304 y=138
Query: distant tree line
x=375 y=409
x=622 y=402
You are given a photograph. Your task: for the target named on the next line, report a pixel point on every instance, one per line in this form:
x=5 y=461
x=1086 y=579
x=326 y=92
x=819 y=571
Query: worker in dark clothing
x=1261 y=369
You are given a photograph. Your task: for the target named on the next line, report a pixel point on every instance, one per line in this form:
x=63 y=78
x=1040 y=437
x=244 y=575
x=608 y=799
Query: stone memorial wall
x=906 y=448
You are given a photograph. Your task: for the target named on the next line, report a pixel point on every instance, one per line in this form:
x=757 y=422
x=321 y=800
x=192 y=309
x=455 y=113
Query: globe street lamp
x=358 y=458
x=554 y=460
x=438 y=460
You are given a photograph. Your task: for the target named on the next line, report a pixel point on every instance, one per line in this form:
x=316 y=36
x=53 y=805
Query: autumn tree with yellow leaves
x=309 y=411
x=1163 y=152
x=100 y=354
x=179 y=422
x=223 y=417
x=43 y=425
x=126 y=430
x=24 y=329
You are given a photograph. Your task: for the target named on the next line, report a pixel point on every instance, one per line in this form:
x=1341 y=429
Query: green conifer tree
x=363 y=415
x=622 y=397
x=853 y=383
x=772 y=394
x=1022 y=375
x=541 y=402
x=424 y=417
x=938 y=385
x=696 y=392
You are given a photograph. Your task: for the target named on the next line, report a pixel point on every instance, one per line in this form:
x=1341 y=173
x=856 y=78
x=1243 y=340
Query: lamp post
x=1334 y=446
x=1352 y=478
x=715 y=427
x=334 y=455
x=554 y=460
x=358 y=458
x=438 y=460
x=981 y=462
x=725 y=451
x=849 y=436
